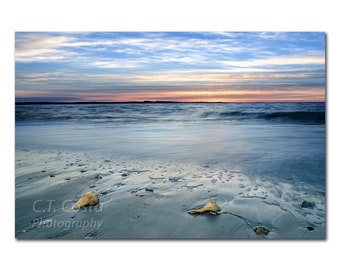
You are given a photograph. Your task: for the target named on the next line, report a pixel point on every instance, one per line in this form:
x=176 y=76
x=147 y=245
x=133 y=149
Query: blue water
x=270 y=141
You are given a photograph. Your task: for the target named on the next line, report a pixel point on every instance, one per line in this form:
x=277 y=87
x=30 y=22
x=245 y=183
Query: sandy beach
x=149 y=199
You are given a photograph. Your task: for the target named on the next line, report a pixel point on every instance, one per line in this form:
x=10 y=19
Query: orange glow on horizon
x=249 y=95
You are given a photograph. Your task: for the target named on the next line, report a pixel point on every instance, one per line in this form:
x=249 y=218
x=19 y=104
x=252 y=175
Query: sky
x=170 y=66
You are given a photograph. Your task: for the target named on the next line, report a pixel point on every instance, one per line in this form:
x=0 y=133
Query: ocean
x=275 y=141
x=259 y=160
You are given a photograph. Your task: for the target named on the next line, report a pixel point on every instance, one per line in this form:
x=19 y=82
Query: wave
x=297 y=116
x=146 y=113
x=303 y=117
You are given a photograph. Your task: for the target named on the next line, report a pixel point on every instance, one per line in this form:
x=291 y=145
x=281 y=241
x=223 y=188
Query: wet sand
x=149 y=199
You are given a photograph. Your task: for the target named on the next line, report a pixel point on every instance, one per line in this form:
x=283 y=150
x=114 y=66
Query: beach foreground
x=149 y=199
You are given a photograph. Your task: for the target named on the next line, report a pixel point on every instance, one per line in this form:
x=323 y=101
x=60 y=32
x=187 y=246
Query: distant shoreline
x=92 y=102
x=144 y=102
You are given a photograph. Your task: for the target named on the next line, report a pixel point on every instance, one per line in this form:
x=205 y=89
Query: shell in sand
x=261 y=230
x=210 y=207
x=89 y=198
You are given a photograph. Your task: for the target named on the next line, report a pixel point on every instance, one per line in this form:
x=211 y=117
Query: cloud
x=276 y=61
x=231 y=95
x=169 y=80
x=49 y=42
x=157 y=48
x=118 y=63
x=42 y=49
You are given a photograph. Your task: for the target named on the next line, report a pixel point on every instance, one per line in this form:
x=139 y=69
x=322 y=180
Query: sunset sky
x=170 y=66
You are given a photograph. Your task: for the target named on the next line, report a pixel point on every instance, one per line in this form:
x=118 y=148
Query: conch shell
x=262 y=230
x=89 y=198
x=210 y=207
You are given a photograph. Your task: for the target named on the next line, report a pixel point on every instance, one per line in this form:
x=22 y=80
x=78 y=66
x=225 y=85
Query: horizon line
x=150 y=101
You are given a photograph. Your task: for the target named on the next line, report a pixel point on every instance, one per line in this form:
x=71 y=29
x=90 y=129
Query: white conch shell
x=210 y=207
x=89 y=198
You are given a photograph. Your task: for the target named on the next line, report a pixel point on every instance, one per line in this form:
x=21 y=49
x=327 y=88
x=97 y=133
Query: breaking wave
x=297 y=113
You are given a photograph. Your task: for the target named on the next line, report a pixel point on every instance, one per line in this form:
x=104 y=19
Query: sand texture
x=141 y=198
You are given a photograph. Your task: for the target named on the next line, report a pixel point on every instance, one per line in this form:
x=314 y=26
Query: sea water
x=268 y=141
